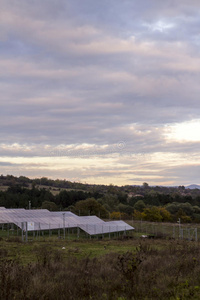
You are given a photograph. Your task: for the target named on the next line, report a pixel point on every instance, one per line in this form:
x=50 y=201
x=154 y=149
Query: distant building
x=131 y=194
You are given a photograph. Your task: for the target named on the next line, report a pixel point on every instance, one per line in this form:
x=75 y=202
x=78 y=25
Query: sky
x=101 y=92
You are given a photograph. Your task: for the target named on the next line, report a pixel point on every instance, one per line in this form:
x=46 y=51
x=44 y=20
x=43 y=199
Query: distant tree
x=33 y=185
x=187 y=208
x=44 y=181
x=196 y=209
x=145 y=185
x=139 y=205
x=137 y=215
x=117 y=215
x=112 y=189
x=66 y=198
x=24 y=181
x=122 y=197
x=177 y=197
x=152 y=214
x=133 y=200
x=186 y=219
x=181 y=187
x=152 y=198
x=166 y=216
x=70 y=208
x=127 y=209
x=110 y=202
x=90 y=207
x=49 y=205
x=183 y=217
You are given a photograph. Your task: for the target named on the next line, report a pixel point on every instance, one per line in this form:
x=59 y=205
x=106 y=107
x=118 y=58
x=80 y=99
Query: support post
x=26 y=232
x=64 y=225
x=22 y=225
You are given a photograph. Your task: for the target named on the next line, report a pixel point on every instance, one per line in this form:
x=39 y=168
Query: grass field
x=25 y=252
x=109 y=269
x=47 y=266
x=190 y=232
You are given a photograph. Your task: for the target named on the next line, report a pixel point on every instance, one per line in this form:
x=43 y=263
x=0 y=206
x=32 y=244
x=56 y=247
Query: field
x=128 y=267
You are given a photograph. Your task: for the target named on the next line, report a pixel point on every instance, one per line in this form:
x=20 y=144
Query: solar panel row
x=42 y=219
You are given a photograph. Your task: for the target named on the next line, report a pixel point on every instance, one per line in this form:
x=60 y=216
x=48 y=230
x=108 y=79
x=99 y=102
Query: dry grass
x=153 y=270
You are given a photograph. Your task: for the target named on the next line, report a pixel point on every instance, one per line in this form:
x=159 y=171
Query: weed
x=150 y=269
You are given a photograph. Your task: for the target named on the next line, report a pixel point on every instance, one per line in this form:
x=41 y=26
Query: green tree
x=117 y=215
x=49 y=205
x=166 y=216
x=182 y=216
x=196 y=209
x=137 y=215
x=145 y=185
x=110 y=202
x=127 y=209
x=139 y=205
x=152 y=214
x=90 y=207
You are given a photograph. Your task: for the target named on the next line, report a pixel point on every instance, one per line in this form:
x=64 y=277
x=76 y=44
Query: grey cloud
x=185 y=175
x=98 y=72
x=2 y=163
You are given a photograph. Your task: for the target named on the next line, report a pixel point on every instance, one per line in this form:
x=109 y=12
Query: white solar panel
x=105 y=227
x=42 y=219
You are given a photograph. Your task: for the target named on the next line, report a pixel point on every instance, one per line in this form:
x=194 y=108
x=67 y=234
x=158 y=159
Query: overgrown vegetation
x=148 y=270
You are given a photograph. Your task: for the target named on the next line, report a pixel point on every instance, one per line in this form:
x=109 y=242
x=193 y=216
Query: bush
x=149 y=272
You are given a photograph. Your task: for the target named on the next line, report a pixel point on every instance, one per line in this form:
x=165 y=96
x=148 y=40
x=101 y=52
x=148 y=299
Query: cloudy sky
x=101 y=91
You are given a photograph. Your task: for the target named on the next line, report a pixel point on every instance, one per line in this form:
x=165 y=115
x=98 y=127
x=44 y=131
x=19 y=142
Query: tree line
x=138 y=202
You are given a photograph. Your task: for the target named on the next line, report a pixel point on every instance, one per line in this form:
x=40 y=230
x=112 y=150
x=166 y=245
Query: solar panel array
x=43 y=219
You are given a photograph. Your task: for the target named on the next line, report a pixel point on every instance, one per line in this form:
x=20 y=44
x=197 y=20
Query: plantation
x=125 y=268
